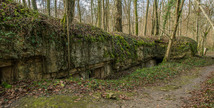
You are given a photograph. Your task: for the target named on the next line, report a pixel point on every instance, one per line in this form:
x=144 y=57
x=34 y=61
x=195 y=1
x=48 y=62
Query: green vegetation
x=144 y=76
x=6 y=85
x=196 y=61
x=65 y=101
x=164 y=72
x=184 y=44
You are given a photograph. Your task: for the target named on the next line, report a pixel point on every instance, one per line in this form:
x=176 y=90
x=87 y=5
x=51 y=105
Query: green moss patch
x=62 y=101
x=197 y=61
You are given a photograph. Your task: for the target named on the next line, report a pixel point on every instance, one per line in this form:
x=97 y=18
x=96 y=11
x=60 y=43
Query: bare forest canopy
x=138 y=17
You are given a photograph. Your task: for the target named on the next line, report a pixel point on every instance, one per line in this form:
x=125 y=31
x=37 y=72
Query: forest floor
x=180 y=91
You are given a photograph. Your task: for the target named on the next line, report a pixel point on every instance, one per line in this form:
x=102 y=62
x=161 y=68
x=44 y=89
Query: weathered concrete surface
x=88 y=60
x=38 y=49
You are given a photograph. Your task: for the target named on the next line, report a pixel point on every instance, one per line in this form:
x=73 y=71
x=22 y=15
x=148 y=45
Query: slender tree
x=179 y=7
x=55 y=8
x=44 y=5
x=92 y=16
x=99 y=14
x=156 y=17
x=104 y=15
x=107 y=15
x=208 y=18
x=70 y=6
x=204 y=37
x=34 y=4
x=24 y=3
x=147 y=10
x=167 y=13
x=79 y=10
x=128 y=10
x=29 y=4
x=136 y=17
x=197 y=22
x=153 y=19
x=118 y=16
x=189 y=10
x=48 y=7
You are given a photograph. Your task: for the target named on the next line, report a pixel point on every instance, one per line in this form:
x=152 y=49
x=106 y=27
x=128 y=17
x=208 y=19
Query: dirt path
x=171 y=95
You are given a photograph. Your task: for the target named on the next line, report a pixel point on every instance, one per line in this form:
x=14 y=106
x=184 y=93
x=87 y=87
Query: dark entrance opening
x=158 y=60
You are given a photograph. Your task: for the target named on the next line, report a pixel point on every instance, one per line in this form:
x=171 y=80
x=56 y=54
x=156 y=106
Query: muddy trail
x=171 y=95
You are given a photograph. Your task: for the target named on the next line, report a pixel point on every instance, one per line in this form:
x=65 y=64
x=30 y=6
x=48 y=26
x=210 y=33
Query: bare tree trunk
x=189 y=7
x=156 y=17
x=197 y=23
x=166 y=17
x=169 y=24
x=48 y=7
x=64 y=4
x=153 y=21
x=59 y=8
x=129 y=15
x=208 y=18
x=44 y=6
x=24 y=3
x=104 y=15
x=118 y=16
x=99 y=14
x=204 y=37
x=161 y=10
x=92 y=17
x=96 y=17
x=29 y=4
x=147 y=9
x=132 y=25
x=180 y=26
x=179 y=8
x=70 y=6
x=136 y=17
x=79 y=11
x=107 y=15
x=55 y=8
x=34 y=4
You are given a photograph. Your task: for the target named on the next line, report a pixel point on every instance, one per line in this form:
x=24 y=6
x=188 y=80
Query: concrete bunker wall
x=38 y=49
x=88 y=61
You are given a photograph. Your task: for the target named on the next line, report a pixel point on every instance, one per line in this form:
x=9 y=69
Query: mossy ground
x=176 y=83
x=63 y=101
x=197 y=61
x=68 y=101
